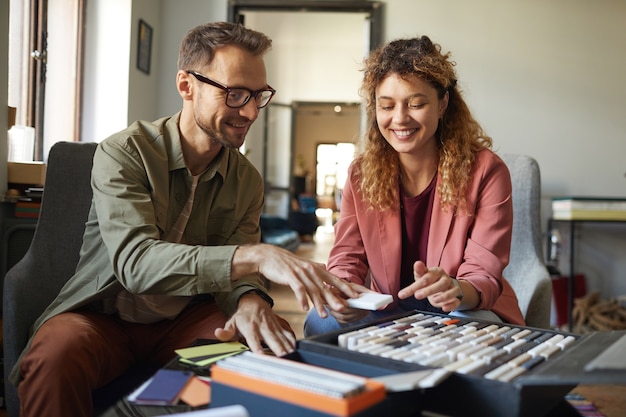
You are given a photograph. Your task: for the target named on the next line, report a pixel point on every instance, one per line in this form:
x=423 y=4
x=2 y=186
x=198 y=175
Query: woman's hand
x=435 y=285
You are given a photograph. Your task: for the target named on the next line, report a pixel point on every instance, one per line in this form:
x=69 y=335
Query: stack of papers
x=204 y=355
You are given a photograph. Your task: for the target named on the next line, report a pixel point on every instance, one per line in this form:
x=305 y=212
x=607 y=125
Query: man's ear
x=184 y=85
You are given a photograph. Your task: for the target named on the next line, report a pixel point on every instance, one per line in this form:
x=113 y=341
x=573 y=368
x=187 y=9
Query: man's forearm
x=245 y=261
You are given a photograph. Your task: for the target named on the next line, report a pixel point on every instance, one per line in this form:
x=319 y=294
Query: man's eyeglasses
x=239 y=97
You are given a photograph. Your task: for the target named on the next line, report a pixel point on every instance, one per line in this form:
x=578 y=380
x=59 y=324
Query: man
x=170 y=251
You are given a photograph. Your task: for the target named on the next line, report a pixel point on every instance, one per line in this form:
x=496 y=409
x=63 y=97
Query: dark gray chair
x=31 y=285
x=527 y=272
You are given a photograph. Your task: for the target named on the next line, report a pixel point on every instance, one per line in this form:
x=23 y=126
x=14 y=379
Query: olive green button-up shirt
x=140 y=184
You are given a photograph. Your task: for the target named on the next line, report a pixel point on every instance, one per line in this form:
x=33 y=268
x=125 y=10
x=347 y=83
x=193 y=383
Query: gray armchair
x=527 y=271
x=50 y=261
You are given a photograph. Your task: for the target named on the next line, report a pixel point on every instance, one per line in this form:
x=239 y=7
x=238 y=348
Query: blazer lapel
x=440 y=224
x=390 y=232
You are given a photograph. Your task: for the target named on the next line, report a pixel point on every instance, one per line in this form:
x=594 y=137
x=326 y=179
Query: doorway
x=307 y=36
x=333 y=160
x=325 y=135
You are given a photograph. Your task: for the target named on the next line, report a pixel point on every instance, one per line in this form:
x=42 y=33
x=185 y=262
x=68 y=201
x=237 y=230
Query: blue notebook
x=164 y=388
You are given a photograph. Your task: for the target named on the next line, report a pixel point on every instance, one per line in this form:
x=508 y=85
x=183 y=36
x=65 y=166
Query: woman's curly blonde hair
x=460 y=136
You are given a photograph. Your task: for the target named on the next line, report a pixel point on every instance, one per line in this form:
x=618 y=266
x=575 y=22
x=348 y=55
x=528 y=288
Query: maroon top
x=416 y=214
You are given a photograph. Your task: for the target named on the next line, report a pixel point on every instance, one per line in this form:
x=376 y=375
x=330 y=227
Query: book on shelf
x=589 y=203
x=34 y=192
x=589 y=208
x=589 y=215
x=26 y=207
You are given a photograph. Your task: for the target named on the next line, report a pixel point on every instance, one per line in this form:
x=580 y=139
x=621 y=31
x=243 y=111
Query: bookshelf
x=589 y=208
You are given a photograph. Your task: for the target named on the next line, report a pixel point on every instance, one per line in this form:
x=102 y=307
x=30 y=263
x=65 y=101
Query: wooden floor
x=610 y=400
x=285 y=303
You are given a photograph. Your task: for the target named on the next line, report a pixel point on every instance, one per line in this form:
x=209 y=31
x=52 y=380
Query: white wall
x=116 y=92
x=106 y=69
x=178 y=17
x=143 y=89
x=315 y=56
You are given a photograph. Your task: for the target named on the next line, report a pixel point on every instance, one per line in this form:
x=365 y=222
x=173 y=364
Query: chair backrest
x=527 y=272
x=32 y=283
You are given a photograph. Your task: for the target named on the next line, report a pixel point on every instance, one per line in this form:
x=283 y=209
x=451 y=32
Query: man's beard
x=218 y=137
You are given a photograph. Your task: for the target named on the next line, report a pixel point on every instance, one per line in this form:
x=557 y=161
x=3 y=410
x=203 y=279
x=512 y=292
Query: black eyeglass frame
x=228 y=90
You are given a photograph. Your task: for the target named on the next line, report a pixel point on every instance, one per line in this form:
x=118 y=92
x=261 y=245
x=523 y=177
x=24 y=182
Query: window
x=45 y=69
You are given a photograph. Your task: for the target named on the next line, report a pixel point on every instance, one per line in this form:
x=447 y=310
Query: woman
x=426 y=212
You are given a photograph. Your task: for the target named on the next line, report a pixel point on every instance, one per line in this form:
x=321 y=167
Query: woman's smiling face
x=408 y=110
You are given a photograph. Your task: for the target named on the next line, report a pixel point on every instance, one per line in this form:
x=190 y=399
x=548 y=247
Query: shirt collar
x=175 y=151
x=177 y=161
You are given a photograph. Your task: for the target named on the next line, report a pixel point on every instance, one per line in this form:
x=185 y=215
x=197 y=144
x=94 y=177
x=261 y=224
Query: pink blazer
x=474 y=247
